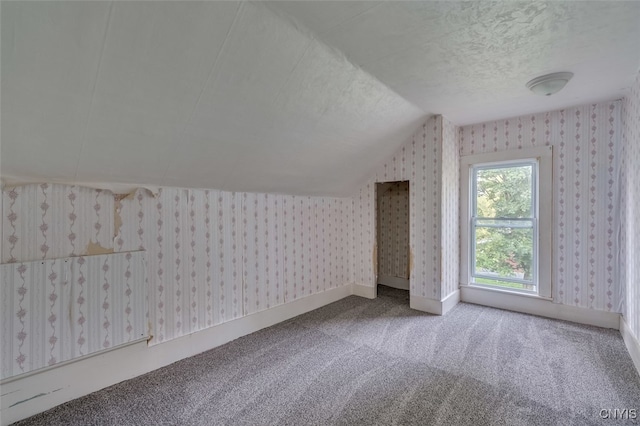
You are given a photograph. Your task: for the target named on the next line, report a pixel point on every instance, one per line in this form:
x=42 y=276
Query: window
x=503 y=225
x=507 y=228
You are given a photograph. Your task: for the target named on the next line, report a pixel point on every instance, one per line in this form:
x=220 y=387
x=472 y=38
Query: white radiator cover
x=58 y=310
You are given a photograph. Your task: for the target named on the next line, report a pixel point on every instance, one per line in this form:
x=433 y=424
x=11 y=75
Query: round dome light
x=549 y=84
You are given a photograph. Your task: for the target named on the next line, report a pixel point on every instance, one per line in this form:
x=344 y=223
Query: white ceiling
x=469 y=61
x=291 y=97
x=214 y=94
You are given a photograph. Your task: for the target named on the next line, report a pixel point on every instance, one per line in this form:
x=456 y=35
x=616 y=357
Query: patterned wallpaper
x=630 y=235
x=212 y=256
x=52 y=221
x=586 y=163
x=450 y=209
x=55 y=310
x=393 y=231
x=421 y=160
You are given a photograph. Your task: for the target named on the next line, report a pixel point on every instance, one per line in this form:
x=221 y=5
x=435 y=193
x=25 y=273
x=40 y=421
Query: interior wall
x=450 y=209
x=53 y=221
x=213 y=256
x=76 y=306
x=393 y=230
x=586 y=156
x=420 y=161
x=630 y=198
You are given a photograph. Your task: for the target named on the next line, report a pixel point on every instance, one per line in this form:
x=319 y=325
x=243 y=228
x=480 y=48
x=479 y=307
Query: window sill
x=504 y=291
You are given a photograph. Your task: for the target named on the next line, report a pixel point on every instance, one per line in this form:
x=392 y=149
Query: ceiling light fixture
x=549 y=84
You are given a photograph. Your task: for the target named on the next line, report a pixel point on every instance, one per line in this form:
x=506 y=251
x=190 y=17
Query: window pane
x=504 y=252
x=504 y=192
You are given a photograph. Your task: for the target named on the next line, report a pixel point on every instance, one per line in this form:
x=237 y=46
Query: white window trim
x=545 y=211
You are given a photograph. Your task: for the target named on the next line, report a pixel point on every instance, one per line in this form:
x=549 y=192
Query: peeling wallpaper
x=52 y=221
x=586 y=161
x=421 y=160
x=393 y=237
x=56 y=310
x=630 y=200
x=212 y=256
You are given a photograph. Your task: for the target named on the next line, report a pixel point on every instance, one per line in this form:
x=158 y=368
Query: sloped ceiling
x=291 y=97
x=469 y=61
x=220 y=95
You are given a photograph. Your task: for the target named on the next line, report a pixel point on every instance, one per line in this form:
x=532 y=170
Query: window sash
x=534 y=272
x=505 y=223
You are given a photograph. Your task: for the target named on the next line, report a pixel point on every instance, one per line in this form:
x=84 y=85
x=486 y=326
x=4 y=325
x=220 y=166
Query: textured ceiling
x=291 y=97
x=470 y=60
x=215 y=94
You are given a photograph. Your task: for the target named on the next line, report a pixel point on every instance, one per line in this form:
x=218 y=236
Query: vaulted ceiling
x=289 y=97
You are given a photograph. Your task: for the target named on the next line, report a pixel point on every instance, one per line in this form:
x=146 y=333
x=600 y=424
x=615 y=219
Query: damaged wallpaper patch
x=56 y=310
x=212 y=256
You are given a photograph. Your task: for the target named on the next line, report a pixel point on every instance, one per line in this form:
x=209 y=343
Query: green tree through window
x=504 y=222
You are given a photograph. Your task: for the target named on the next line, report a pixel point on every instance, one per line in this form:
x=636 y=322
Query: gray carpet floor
x=376 y=362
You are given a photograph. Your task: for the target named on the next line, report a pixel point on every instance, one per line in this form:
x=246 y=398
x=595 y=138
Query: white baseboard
x=450 y=301
x=395 y=282
x=364 y=291
x=539 y=306
x=432 y=306
x=425 y=304
x=40 y=391
x=631 y=342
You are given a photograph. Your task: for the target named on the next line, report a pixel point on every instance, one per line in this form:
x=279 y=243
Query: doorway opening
x=392 y=235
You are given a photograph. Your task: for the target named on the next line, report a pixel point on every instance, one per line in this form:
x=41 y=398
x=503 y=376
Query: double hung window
x=507 y=228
